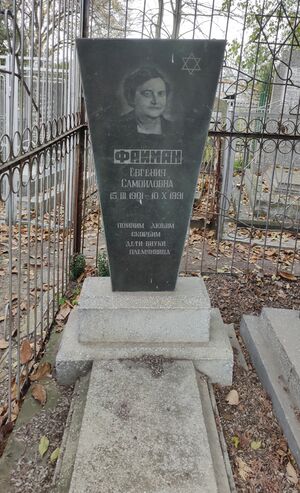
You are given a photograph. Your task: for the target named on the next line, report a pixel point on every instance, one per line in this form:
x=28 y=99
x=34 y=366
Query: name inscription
x=147 y=156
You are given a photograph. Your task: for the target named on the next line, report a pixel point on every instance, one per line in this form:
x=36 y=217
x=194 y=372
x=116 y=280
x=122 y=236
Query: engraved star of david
x=191 y=64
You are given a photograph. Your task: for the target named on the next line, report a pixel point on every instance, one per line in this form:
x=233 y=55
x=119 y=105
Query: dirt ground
x=259 y=454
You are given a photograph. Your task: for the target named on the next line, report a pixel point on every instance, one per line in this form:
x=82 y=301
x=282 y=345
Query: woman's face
x=150 y=98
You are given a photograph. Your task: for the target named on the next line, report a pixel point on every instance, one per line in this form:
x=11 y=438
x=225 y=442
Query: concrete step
x=268 y=364
x=148 y=426
x=107 y=316
x=214 y=358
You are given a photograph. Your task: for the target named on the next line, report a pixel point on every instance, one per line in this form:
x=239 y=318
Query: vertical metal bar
x=10 y=290
x=19 y=274
x=81 y=147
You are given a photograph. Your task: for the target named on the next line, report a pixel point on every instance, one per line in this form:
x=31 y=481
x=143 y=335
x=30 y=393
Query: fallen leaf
x=4 y=344
x=55 y=454
x=291 y=474
x=43 y=445
x=15 y=408
x=44 y=369
x=287 y=275
x=59 y=328
x=255 y=445
x=235 y=440
x=63 y=312
x=26 y=352
x=232 y=398
x=243 y=469
x=23 y=306
x=80 y=278
x=38 y=391
x=6 y=429
x=3 y=409
x=14 y=389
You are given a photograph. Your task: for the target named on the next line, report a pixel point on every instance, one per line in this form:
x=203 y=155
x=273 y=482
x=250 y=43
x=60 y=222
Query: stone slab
x=182 y=315
x=217 y=444
x=282 y=330
x=266 y=361
x=214 y=358
x=142 y=433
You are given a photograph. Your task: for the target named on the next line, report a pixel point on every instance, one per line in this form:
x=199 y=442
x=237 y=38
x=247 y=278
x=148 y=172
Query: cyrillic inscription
x=147 y=156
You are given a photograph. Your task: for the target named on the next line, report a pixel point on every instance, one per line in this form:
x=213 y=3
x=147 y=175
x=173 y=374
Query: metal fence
x=246 y=212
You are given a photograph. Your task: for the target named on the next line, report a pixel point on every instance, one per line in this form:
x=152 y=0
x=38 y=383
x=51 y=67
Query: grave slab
x=272 y=340
x=148 y=432
x=213 y=358
x=181 y=316
x=283 y=333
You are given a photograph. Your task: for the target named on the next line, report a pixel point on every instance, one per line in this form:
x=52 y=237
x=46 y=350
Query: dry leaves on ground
x=291 y=474
x=4 y=344
x=39 y=393
x=64 y=312
x=43 y=370
x=26 y=353
x=233 y=398
x=243 y=469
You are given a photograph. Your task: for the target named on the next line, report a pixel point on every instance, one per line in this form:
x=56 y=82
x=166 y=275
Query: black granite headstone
x=149 y=104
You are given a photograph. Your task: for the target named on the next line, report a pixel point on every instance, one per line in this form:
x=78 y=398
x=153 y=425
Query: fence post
x=80 y=151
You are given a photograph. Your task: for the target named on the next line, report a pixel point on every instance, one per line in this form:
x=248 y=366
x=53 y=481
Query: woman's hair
x=137 y=78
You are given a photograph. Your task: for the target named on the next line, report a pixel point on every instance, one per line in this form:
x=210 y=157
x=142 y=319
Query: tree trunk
x=177 y=12
x=160 y=17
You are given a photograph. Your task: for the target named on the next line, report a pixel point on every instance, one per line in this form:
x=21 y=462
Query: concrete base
x=273 y=340
x=214 y=358
x=180 y=316
x=145 y=432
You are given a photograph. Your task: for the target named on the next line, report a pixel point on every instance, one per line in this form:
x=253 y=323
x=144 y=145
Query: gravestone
x=149 y=104
x=273 y=180
x=282 y=116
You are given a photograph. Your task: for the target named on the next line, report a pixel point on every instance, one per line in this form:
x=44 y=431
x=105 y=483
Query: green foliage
x=76 y=291
x=254 y=57
x=208 y=151
x=77 y=266
x=102 y=265
x=238 y=164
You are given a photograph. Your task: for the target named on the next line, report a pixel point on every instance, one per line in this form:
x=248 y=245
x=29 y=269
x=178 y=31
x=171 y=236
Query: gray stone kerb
x=214 y=358
x=180 y=316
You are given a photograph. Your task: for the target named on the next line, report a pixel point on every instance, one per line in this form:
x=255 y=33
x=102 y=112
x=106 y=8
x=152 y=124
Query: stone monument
x=149 y=105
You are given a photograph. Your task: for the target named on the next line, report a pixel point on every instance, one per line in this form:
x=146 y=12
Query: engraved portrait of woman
x=144 y=124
